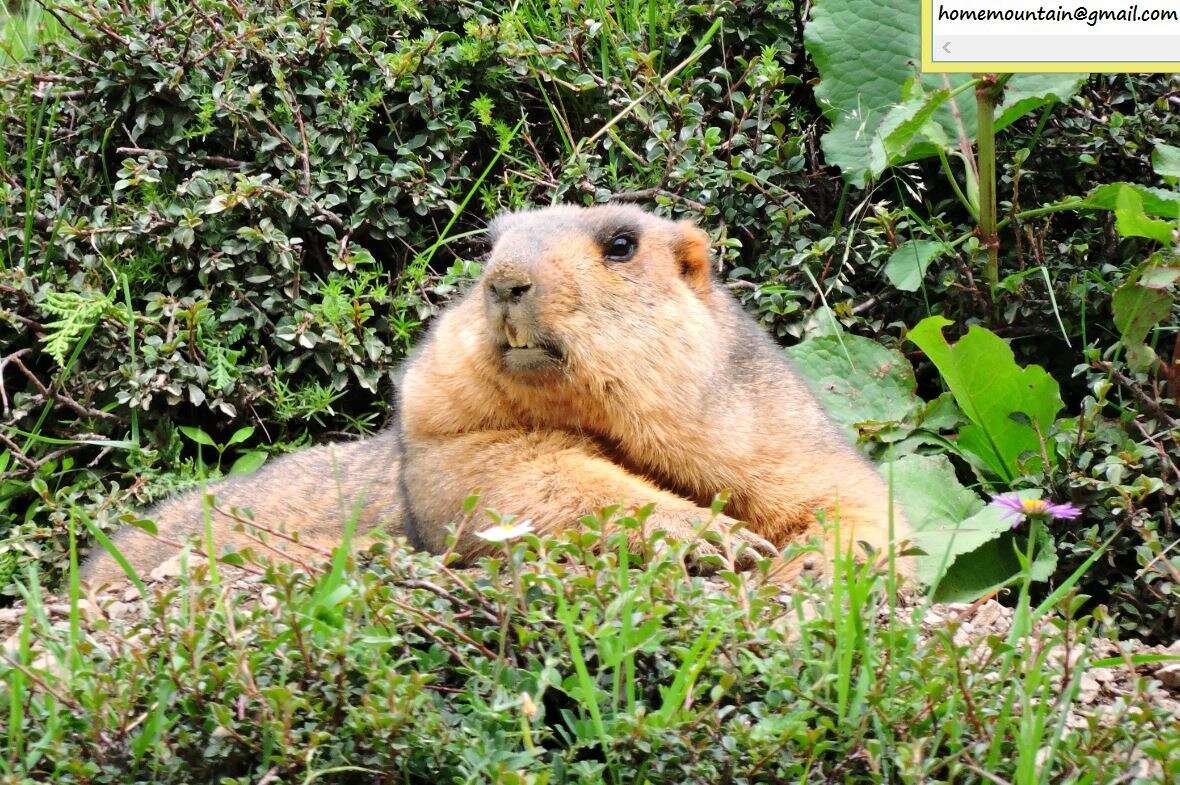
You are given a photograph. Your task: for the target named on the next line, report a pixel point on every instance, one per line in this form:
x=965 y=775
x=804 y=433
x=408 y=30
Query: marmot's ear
x=692 y=253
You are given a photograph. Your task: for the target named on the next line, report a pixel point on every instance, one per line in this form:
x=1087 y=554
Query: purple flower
x=1020 y=509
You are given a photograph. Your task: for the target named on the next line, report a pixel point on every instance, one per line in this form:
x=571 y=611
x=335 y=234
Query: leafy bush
x=222 y=215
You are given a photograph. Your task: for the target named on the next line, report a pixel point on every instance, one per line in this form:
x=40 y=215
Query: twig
x=254 y=525
x=986 y=775
x=1160 y=556
x=34 y=677
x=60 y=397
x=94 y=21
x=219 y=160
x=645 y=194
x=283 y=555
x=1132 y=387
x=458 y=633
x=20 y=457
x=486 y=604
x=964 y=140
x=866 y=305
x=1159 y=447
x=305 y=152
x=48 y=7
x=327 y=215
x=418 y=583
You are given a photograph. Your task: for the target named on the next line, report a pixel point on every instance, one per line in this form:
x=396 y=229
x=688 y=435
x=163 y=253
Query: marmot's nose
x=509 y=288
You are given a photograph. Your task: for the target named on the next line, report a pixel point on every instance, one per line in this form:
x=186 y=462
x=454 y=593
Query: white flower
x=503 y=532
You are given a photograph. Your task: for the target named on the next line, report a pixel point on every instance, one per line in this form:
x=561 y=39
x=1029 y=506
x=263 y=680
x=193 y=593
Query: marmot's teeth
x=515 y=341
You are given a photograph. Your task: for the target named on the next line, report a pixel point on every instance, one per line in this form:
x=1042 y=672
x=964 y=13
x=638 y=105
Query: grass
x=22 y=30
x=556 y=661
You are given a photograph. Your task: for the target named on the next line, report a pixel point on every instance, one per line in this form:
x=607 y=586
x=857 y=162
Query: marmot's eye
x=620 y=248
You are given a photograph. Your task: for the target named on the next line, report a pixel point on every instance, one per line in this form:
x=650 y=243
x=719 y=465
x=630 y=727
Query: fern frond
x=77 y=313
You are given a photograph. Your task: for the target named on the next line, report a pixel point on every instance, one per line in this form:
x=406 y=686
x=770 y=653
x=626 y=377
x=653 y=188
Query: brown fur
x=635 y=382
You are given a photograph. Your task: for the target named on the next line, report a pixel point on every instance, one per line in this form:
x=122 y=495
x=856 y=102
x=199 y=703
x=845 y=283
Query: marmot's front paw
x=723 y=539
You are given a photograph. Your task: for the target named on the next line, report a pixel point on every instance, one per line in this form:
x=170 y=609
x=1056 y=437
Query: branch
x=219 y=160
x=1131 y=386
x=60 y=397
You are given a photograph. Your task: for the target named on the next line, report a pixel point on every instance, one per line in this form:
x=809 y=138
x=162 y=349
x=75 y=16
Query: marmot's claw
x=749 y=548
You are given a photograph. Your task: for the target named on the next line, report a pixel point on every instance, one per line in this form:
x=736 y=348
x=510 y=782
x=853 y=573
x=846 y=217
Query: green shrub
x=555 y=662
x=235 y=214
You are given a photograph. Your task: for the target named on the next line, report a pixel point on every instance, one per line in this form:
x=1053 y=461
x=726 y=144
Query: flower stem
x=986 y=95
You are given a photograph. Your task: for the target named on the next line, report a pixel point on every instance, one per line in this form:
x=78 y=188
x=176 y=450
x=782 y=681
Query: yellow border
x=929 y=66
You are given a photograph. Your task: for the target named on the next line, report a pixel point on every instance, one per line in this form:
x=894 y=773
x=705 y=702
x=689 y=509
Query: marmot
x=594 y=362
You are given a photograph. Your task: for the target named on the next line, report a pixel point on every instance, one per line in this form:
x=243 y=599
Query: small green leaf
x=240 y=435
x=145 y=524
x=197 y=435
x=248 y=463
x=907 y=265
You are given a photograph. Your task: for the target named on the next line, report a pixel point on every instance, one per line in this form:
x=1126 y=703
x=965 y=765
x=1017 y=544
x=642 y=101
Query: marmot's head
x=571 y=287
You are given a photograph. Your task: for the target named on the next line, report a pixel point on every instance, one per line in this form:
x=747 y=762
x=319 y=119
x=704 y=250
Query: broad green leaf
x=1156 y=201
x=935 y=504
x=1132 y=221
x=1137 y=309
x=1161 y=270
x=994 y=564
x=972 y=541
x=907 y=265
x=867 y=55
x=1165 y=160
x=1030 y=92
x=942 y=414
x=1140 y=356
x=197 y=435
x=990 y=388
x=857 y=380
